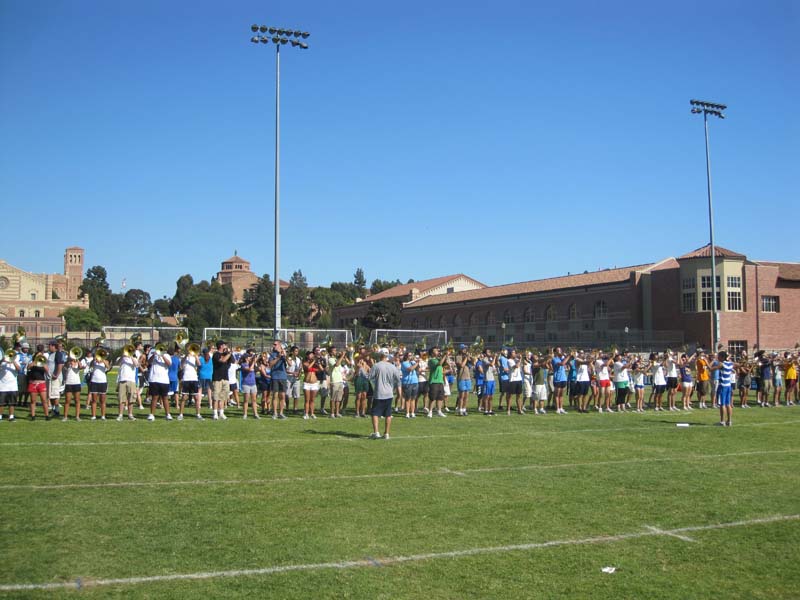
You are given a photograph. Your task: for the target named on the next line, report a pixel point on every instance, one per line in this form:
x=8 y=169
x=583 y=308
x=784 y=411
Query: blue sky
x=507 y=140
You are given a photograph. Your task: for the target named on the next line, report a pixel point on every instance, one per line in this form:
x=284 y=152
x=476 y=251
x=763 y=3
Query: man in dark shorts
x=436 y=380
x=385 y=379
x=280 y=379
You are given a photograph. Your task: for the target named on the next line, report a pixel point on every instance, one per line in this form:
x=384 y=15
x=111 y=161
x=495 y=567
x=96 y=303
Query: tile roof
x=423 y=286
x=787 y=271
x=235 y=259
x=538 y=285
x=705 y=252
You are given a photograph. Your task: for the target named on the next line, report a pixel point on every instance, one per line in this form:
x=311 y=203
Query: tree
x=136 y=304
x=384 y=314
x=360 y=281
x=95 y=285
x=182 y=287
x=81 y=319
x=295 y=301
x=162 y=306
x=258 y=309
x=379 y=285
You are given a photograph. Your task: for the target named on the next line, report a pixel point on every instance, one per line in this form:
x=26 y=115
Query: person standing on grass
x=582 y=380
x=220 y=361
x=98 y=384
x=489 y=379
x=790 y=376
x=502 y=376
x=725 y=390
x=687 y=383
x=514 y=387
x=9 y=370
x=480 y=379
x=621 y=381
x=190 y=385
x=293 y=371
x=159 y=383
x=671 y=367
x=56 y=359
x=422 y=376
x=659 y=380
x=37 y=383
x=336 y=381
x=279 y=375
x=174 y=374
x=385 y=379
x=73 y=370
x=247 y=365
x=703 y=378
x=410 y=383
x=743 y=379
x=361 y=385
x=126 y=386
x=311 y=368
x=638 y=370
x=539 y=376
x=436 y=380
x=603 y=382
x=559 y=367
x=464 y=380
x=205 y=373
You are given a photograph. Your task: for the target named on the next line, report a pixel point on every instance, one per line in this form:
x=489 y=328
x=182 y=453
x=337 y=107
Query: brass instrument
x=193 y=349
x=128 y=350
x=76 y=353
x=160 y=348
x=237 y=350
x=10 y=355
x=39 y=360
x=101 y=354
x=181 y=339
x=136 y=338
x=19 y=336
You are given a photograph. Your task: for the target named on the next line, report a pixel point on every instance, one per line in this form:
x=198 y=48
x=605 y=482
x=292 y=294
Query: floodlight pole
x=280 y=37
x=707 y=108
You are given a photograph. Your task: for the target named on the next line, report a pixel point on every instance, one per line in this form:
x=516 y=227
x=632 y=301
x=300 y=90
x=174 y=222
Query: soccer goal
x=410 y=338
x=261 y=339
x=116 y=336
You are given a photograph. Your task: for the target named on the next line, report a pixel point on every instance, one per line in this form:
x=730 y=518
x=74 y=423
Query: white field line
x=385 y=475
x=330 y=437
x=391 y=560
x=685 y=538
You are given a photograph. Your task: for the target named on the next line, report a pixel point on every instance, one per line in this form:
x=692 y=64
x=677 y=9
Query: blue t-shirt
x=206 y=368
x=686 y=374
x=766 y=370
x=559 y=372
x=409 y=373
x=726 y=374
x=479 y=374
x=503 y=368
x=174 y=367
x=573 y=371
x=278 y=371
x=248 y=374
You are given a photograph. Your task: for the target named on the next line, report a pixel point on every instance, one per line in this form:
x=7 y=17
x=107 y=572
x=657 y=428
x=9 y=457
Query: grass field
x=476 y=507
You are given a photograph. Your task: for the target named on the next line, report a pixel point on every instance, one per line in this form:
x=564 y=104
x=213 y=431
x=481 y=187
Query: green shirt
x=435 y=369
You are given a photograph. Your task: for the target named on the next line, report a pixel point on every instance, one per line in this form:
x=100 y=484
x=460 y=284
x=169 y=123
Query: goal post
x=117 y=336
x=261 y=338
x=410 y=338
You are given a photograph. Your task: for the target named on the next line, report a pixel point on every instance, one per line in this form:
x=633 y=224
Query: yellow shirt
x=791 y=371
x=702 y=370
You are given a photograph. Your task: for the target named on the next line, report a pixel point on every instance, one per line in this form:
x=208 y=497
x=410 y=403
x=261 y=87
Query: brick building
x=666 y=303
x=36 y=301
x=235 y=272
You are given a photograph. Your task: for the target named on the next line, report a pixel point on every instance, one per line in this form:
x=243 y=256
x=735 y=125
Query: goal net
x=261 y=339
x=116 y=336
x=410 y=338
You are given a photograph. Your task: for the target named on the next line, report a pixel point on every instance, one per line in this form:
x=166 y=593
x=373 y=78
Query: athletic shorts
x=233 y=387
x=410 y=391
x=173 y=387
x=743 y=383
x=540 y=392
x=503 y=386
x=159 y=389
x=423 y=388
x=72 y=388
x=362 y=384
x=382 y=408
x=263 y=385
x=724 y=395
x=559 y=384
x=249 y=389
x=488 y=388
x=54 y=389
x=126 y=391
x=660 y=389
x=279 y=385
x=672 y=383
x=436 y=391
x=514 y=387
x=311 y=387
x=464 y=385
x=100 y=388
x=638 y=387
x=702 y=388
x=604 y=383
x=190 y=387
x=527 y=388
x=37 y=387
x=687 y=385
x=8 y=398
x=205 y=385
x=581 y=388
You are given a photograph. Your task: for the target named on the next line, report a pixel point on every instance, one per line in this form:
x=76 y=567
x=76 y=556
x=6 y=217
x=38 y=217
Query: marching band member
x=72 y=385
x=248 y=367
x=311 y=367
x=190 y=382
x=361 y=383
x=336 y=378
x=9 y=383
x=294 y=368
x=98 y=382
x=126 y=383
x=621 y=381
x=410 y=383
x=464 y=378
x=582 y=382
x=220 y=361
x=278 y=365
x=37 y=382
x=489 y=380
x=558 y=362
x=160 y=361
x=659 y=380
x=436 y=381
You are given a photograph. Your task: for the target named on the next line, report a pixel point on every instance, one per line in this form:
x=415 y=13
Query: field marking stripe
x=388 y=475
x=685 y=538
x=339 y=438
x=390 y=560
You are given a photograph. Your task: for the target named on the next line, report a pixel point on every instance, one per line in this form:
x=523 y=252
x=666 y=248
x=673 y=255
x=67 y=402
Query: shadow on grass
x=338 y=433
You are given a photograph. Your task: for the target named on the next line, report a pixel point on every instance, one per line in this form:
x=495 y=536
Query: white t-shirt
x=516 y=372
x=72 y=375
x=190 y=368
x=672 y=367
x=232 y=370
x=583 y=372
x=99 y=372
x=601 y=370
x=8 y=377
x=620 y=372
x=422 y=372
x=658 y=374
x=127 y=369
x=159 y=369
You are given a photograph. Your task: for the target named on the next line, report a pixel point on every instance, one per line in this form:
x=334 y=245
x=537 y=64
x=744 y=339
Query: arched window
x=474 y=319
x=529 y=315
x=573 y=312
x=427 y=323
x=457 y=320
x=489 y=318
x=550 y=313
x=414 y=323
x=508 y=317
x=22 y=314
x=600 y=310
x=37 y=314
x=442 y=322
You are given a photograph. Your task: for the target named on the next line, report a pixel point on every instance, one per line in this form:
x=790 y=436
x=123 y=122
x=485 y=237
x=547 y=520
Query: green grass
x=267 y=494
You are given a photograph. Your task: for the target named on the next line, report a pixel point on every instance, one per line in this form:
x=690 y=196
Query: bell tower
x=73 y=270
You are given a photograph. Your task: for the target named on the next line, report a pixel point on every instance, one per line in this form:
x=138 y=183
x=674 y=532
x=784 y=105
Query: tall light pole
x=709 y=108
x=279 y=37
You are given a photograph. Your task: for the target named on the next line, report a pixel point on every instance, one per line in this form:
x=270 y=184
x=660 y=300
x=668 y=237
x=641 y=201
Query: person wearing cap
x=703 y=382
x=205 y=373
x=463 y=364
x=278 y=365
x=385 y=379
x=23 y=358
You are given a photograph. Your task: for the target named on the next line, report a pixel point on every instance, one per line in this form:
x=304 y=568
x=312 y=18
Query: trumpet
x=193 y=349
x=101 y=354
x=9 y=355
x=128 y=350
x=76 y=353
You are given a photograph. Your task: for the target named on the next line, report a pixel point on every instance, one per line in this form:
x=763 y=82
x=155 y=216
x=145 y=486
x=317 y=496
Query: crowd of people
x=384 y=381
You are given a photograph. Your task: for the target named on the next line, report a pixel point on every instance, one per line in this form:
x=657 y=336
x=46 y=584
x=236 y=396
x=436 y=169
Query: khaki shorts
x=219 y=391
x=337 y=392
x=126 y=391
x=54 y=389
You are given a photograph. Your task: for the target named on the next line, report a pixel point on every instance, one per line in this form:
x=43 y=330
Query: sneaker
x=244 y=416
x=131 y=418
x=13 y=418
x=413 y=416
x=305 y=417
x=408 y=415
x=274 y=417
x=180 y=417
x=215 y=417
x=313 y=416
x=169 y=417
x=92 y=419
x=323 y=411
x=720 y=424
x=119 y=418
x=441 y=414
x=430 y=414
x=63 y=420
x=375 y=436
x=199 y=417
x=386 y=437
x=446 y=409
x=149 y=417
x=281 y=417
x=222 y=416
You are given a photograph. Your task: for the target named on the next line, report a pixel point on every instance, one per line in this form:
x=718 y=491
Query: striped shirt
x=726 y=374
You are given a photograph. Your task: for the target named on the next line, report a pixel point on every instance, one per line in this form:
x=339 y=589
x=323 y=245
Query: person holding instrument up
x=220 y=361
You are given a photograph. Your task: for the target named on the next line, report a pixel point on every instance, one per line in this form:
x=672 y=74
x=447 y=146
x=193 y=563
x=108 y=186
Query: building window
x=443 y=322
x=706 y=300
x=600 y=310
x=508 y=317
x=450 y=290
x=770 y=304
x=530 y=337
x=529 y=316
x=550 y=313
x=22 y=314
x=688 y=283
x=573 y=312
x=736 y=347
x=33 y=295
x=734 y=282
x=414 y=323
x=491 y=338
x=427 y=323
x=705 y=282
x=689 y=302
x=37 y=314
x=734 y=299
x=490 y=318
